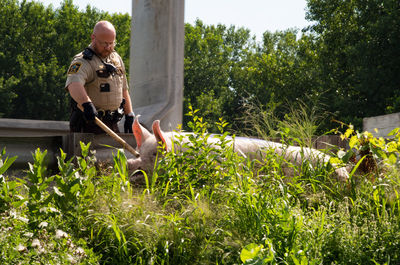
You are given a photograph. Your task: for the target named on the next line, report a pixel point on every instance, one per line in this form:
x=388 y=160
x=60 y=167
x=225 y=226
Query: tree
x=226 y=70
x=9 y=12
x=359 y=55
x=206 y=69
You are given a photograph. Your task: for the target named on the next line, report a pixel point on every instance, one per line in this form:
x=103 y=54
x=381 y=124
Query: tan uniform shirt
x=105 y=90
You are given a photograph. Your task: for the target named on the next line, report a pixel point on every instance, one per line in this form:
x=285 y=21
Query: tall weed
x=32 y=223
x=206 y=205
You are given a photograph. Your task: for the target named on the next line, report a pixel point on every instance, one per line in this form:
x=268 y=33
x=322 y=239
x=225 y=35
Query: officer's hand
x=128 y=124
x=89 y=111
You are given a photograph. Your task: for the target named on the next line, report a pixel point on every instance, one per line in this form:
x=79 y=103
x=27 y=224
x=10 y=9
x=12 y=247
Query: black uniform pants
x=77 y=123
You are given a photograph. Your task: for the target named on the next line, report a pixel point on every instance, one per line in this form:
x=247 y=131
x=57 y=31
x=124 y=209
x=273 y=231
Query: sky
x=256 y=15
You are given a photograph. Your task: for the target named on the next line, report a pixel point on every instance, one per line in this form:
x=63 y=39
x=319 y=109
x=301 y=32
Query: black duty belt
x=104 y=113
x=110 y=115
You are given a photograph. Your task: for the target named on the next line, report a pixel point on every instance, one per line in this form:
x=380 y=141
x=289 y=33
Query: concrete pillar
x=156 y=61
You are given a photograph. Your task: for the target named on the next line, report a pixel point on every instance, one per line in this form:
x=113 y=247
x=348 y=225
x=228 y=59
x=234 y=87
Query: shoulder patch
x=74 y=68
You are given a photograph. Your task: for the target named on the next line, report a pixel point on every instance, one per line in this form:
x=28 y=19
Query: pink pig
x=147 y=144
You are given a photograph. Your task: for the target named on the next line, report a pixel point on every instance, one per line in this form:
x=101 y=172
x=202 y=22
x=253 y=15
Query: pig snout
x=141 y=163
x=134 y=164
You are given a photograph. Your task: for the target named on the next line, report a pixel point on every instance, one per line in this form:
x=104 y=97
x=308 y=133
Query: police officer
x=96 y=81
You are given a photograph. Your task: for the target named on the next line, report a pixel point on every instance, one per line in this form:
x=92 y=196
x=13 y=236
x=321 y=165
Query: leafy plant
x=75 y=188
x=199 y=160
x=8 y=189
x=32 y=225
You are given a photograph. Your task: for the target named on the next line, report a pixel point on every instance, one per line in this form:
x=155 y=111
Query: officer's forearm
x=78 y=93
x=128 y=104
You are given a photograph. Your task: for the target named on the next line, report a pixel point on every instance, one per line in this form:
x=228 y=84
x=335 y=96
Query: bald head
x=104 y=27
x=103 y=38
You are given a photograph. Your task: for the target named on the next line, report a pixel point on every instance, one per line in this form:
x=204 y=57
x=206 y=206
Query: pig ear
x=140 y=133
x=159 y=134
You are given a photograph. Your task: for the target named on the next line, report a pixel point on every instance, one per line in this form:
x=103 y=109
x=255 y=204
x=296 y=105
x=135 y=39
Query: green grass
x=206 y=205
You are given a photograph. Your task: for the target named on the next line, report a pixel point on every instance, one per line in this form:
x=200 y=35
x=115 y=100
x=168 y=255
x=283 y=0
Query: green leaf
x=250 y=251
x=353 y=141
x=58 y=192
x=392 y=159
x=7 y=163
x=394 y=131
x=348 y=155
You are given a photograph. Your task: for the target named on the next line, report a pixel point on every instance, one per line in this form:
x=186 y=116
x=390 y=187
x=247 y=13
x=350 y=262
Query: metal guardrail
x=21 y=127
x=22 y=137
x=23 y=147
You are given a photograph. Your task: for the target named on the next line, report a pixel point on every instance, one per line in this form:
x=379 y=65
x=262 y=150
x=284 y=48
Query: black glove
x=128 y=124
x=89 y=111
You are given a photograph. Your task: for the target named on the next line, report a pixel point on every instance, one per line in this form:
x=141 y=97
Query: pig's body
x=147 y=144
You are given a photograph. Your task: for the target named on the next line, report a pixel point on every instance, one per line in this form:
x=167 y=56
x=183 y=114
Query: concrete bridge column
x=156 y=61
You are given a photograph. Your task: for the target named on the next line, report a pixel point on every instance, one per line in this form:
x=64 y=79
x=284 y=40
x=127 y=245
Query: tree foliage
x=359 y=55
x=347 y=63
x=226 y=69
x=213 y=56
